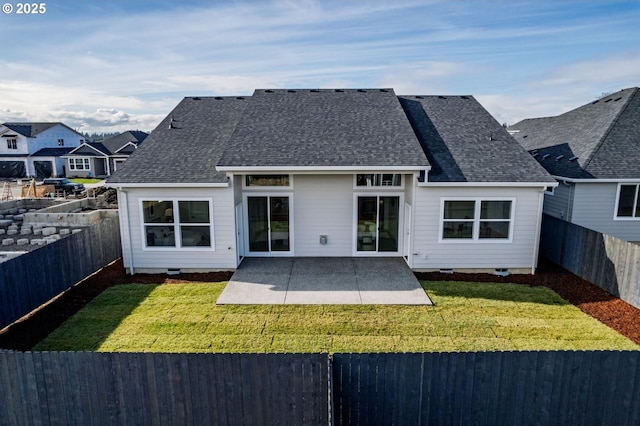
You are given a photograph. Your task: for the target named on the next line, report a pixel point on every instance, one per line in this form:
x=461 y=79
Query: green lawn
x=466 y=317
x=85 y=180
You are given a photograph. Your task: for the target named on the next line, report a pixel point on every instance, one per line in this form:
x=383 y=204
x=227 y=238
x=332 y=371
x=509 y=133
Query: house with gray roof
x=100 y=159
x=594 y=152
x=35 y=149
x=434 y=180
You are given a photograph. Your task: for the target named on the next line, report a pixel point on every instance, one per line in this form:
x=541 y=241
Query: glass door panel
x=258 y=224
x=279 y=221
x=367 y=223
x=378 y=224
x=388 y=212
x=268 y=224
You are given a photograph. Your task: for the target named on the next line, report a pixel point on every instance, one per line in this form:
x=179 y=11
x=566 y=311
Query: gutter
x=489 y=184
x=595 y=180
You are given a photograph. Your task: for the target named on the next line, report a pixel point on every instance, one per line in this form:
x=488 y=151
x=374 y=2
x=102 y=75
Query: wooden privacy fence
x=487 y=388
x=481 y=388
x=31 y=279
x=69 y=388
x=608 y=262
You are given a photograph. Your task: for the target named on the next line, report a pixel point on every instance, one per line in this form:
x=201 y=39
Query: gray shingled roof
x=598 y=140
x=114 y=143
x=32 y=129
x=186 y=145
x=51 y=152
x=89 y=150
x=316 y=128
x=464 y=143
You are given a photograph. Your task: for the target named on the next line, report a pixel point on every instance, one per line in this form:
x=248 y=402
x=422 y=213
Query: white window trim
x=615 y=209
x=176 y=225
x=12 y=143
x=85 y=160
x=267 y=188
x=381 y=187
x=245 y=225
x=354 y=221
x=475 y=239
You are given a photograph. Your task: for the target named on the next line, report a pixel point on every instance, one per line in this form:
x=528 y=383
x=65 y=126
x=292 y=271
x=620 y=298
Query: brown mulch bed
x=592 y=300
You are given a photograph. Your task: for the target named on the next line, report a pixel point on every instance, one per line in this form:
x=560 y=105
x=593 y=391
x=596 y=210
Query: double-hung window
x=12 y=144
x=178 y=223
x=628 y=204
x=79 y=164
x=477 y=219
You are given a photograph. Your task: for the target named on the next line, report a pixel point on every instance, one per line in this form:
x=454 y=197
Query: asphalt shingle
x=328 y=127
x=186 y=145
x=598 y=140
x=464 y=143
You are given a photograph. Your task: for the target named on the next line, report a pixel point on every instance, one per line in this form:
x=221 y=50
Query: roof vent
x=384 y=90
x=442 y=97
x=362 y=91
x=291 y=91
x=559 y=157
x=617 y=99
x=339 y=90
x=534 y=154
x=268 y=91
x=608 y=100
x=464 y=97
x=240 y=97
x=595 y=102
x=544 y=157
x=574 y=158
x=419 y=97
x=218 y=98
x=525 y=136
x=196 y=98
x=315 y=90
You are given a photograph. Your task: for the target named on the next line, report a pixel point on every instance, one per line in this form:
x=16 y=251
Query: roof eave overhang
x=120 y=185
x=319 y=169
x=596 y=180
x=490 y=184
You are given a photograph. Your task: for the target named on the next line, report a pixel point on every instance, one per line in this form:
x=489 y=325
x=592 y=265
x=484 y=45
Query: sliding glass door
x=377 y=223
x=268 y=224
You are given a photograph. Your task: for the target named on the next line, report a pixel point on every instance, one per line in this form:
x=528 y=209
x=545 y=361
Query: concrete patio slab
x=339 y=280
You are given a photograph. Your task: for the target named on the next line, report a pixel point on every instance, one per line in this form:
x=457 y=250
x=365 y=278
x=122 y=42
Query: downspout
x=536 y=247
x=123 y=191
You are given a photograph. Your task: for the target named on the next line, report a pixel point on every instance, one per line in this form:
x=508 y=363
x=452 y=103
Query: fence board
x=608 y=262
x=60 y=265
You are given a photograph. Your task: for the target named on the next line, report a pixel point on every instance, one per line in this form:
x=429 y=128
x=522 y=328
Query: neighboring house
x=594 y=152
x=433 y=179
x=35 y=149
x=100 y=159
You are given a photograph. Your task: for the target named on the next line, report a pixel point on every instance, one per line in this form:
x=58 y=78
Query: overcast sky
x=119 y=65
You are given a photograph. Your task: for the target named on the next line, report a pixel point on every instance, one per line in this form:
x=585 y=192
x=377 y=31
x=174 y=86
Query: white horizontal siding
x=594 y=208
x=429 y=253
x=323 y=205
x=224 y=255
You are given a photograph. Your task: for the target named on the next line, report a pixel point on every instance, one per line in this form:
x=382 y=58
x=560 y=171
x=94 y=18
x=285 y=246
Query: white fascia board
x=489 y=184
x=318 y=169
x=167 y=185
x=621 y=180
